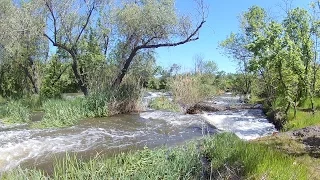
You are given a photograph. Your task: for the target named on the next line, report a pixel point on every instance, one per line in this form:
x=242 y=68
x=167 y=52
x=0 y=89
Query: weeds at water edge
x=217 y=157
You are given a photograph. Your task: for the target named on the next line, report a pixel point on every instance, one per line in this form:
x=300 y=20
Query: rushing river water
x=33 y=147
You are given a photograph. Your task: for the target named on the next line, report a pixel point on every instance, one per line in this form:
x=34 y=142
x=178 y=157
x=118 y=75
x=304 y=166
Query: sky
x=223 y=19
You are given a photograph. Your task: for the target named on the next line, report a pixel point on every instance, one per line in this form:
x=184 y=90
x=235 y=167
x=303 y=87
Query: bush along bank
x=223 y=156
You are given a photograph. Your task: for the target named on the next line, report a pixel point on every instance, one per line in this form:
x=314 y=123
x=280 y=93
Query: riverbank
x=70 y=110
x=223 y=156
x=299 y=138
x=301 y=144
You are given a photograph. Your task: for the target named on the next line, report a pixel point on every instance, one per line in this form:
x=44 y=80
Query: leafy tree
x=67 y=22
x=150 y=24
x=21 y=25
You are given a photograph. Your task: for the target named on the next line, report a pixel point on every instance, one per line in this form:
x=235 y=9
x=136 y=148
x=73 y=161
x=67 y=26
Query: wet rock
x=258 y=106
x=193 y=110
x=214 y=107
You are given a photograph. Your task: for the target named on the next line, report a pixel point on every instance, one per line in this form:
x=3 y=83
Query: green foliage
x=11 y=83
x=15 y=112
x=2 y=100
x=303 y=119
x=64 y=113
x=277 y=60
x=163 y=103
x=125 y=98
x=61 y=113
x=96 y=105
x=222 y=152
x=32 y=102
x=57 y=78
x=257 y=161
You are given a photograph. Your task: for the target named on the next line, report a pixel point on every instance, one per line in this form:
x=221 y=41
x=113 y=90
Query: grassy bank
x=304 y=118
x=64 y=113
x=223 y=156
x=14 y=112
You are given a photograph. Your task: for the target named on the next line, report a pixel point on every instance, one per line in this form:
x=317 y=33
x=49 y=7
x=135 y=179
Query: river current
x=152 y=128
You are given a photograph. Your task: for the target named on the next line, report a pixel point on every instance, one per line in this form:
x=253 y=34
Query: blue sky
x=222 y=20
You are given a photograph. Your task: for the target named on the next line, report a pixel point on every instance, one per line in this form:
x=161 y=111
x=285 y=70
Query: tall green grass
x=19 y=111
x=223 y=156
x=64 y=113
x=303 y=119
x=255 y=161
x=61 y=113
x=15 y=112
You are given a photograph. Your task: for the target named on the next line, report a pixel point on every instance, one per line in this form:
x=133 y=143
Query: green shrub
x=63 y=113
x=33 y=102
x=163 y=103
x=2 y=100
x=125 y=98
x=96 y=105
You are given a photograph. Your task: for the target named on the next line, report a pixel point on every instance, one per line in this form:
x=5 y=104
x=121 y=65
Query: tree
x=21 y=26
x=198 y=63
x=151 y=24
x=210 y=67
x=235 y=47
x=67 y=22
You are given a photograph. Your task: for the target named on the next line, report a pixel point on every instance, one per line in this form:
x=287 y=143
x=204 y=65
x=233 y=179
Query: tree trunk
x=124 y=70
x=32 y=77
x=288 y=108
x=80 y=81
x=312 y=103
x=35 y=78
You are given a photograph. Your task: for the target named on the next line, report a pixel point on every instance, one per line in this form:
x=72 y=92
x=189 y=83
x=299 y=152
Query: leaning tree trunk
x=79 y=78
x=124 y=70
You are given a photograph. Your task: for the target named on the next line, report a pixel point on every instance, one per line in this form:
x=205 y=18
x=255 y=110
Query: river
x=39 y=147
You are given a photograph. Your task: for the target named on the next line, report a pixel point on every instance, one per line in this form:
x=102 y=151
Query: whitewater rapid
x=247 y=124
x=21 y=146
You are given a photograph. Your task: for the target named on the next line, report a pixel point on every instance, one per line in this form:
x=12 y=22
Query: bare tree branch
x=188 y=39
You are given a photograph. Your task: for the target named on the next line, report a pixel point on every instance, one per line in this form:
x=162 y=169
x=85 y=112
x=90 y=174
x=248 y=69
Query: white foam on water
x=173 y=118
x=246 y=124
x=19 y=146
